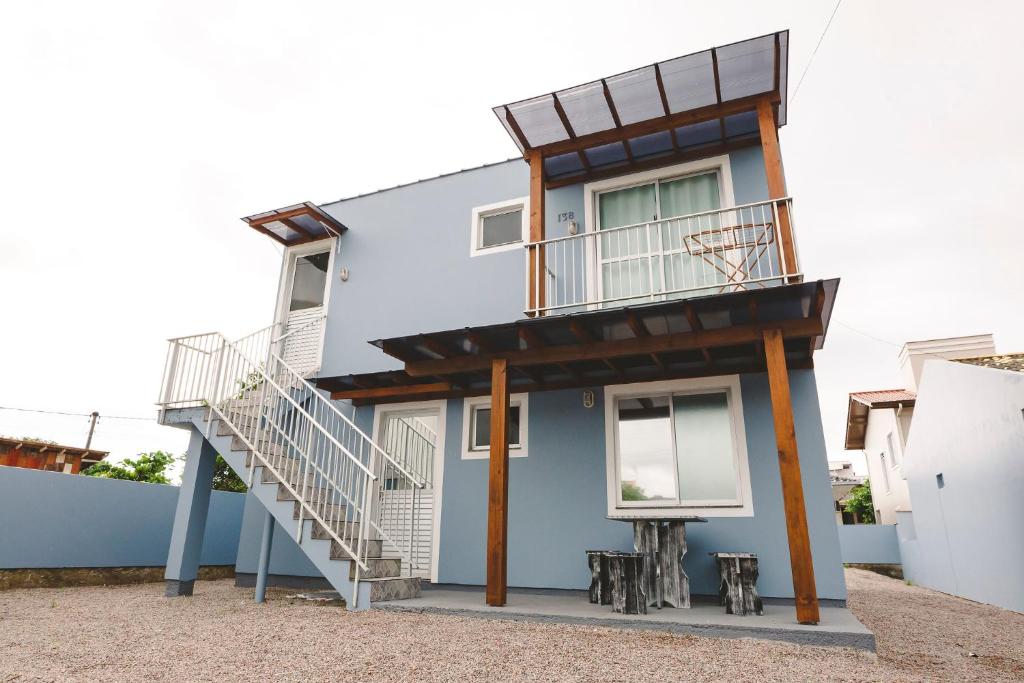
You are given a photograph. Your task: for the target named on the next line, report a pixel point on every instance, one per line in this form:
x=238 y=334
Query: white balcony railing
x=724 y=250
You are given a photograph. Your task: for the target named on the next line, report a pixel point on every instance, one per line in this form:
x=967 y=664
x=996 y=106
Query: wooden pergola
x=695 y=106
x=768 y=330
x=296 y=224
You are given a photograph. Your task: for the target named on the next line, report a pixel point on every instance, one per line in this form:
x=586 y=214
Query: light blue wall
x=558 y=508
x=408 y=255
x=869 y=544
x=53 y=520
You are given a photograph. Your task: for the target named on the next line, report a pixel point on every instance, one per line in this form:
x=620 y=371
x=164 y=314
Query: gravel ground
x=132 y=633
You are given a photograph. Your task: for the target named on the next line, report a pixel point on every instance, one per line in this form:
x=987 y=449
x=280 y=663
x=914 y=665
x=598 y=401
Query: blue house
x=473 y=379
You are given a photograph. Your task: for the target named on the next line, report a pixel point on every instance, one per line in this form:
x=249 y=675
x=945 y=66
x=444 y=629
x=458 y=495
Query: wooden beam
x=615 y=117
x=516 y=129
x=530 y=338
x=800 y=557
x=585 y=381
x=664 y=105
x=740 y=142
x=258 y=227
x=497 y=487
x=538 y=267
x=718 y=90
x=752 y=310
x=683 y=118
x=639 y=329
x=564 y=118
x=776 y=182
x=680 y=341
x=392 y=391
x=695 y=324
x=438 y=347
x=817 y=306
x=307 y=236
x=278 y=215
x=402 y=353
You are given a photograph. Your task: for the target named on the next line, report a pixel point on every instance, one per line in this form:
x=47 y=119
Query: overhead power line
x=61 y=412
x=815 y=51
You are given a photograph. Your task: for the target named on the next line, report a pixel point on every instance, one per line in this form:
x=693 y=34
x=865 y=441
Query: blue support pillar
x=190 y=517
x=263 y=570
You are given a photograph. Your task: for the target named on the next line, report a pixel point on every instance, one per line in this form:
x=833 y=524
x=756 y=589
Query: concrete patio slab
x=838 y=627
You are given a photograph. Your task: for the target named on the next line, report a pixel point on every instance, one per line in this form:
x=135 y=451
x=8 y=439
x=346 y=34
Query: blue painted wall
x=407 y=251
x=869 y=544
x=558 y=499
x=54 y=520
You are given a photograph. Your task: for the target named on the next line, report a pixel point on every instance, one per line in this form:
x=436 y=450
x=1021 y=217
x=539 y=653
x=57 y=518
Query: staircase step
x=373 y=548
x=331 y=512
x=273 y=477
x=313 y=493
x=396 y=588
x=378 y=568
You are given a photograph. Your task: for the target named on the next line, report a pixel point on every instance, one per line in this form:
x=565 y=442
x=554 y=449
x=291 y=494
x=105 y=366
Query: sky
x=135 y=134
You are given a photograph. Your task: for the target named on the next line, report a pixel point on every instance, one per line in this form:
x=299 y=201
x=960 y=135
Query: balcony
x=737 y=248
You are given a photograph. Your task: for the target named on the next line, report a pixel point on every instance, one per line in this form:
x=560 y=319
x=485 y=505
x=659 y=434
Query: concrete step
x=330 y=512
x=293 y=477
x=313 y=493
x=378 y=568
x=396 y=588
x=374 y=547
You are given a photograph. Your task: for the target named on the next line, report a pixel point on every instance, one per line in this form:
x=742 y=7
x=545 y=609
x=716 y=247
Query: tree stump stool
x=600 y=577
x=629 y=595
x=738 y=587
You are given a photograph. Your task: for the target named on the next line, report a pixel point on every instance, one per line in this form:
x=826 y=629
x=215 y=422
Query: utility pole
x=92 y=428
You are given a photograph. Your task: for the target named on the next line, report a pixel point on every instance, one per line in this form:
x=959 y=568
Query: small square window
x=481 y=429
x=476 y=427
x=499 y=227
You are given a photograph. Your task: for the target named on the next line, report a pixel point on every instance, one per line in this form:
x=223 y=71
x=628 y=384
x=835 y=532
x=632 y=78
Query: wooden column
x=497 y=489
x=538 y=281
x=792 y=484
x=776 y=181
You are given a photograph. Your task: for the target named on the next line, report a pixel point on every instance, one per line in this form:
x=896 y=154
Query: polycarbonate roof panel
x=651 y=145
x=686 y=81
x=563 y=165
x=606 y=155
x=746 y=68
x=699 y=133
x=635 y=94
x=586 y=108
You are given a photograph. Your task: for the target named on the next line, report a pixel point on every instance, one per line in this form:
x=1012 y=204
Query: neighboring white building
x=965 y=470
x=878 y=422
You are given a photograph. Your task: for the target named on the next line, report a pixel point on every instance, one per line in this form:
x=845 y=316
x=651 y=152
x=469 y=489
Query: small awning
x=687 y=104
x=718 y=334
x=296 y=224
x=860 y=405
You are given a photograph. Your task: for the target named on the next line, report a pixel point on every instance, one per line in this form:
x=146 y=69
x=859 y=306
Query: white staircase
x=312 y=468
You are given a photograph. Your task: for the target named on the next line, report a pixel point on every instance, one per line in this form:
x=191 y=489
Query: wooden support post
x=497 y=490
x=792 y=484
x=538 y=270
x=776 y=182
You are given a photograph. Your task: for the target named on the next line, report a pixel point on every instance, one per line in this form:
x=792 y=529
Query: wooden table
x=662 y=541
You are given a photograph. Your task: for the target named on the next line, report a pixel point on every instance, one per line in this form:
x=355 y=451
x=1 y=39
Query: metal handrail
x=330 y=466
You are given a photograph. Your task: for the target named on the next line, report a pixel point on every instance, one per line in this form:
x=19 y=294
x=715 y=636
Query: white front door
x=300 y=328
x=413 y=437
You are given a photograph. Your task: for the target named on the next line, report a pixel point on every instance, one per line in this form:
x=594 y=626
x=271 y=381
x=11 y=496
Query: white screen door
x=302 y=320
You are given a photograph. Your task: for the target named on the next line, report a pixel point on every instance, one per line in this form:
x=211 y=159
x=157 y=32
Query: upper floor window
x=500 y=227
x=677 y=448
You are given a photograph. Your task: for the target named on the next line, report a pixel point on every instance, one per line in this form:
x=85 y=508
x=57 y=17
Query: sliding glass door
x=641 y=251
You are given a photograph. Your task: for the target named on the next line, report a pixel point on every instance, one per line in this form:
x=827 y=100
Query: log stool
x=738 y=589
x=600 y=577
x=629 y=594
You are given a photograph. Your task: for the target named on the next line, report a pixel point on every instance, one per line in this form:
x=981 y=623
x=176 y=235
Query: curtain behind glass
x=684 y=197
x=704 y=448
x=625 y=270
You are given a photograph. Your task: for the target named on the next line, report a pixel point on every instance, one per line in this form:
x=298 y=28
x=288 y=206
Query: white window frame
x=481 y=212
x=885 y=472
x=522 y=401
x=891 y=444
x=592 y=191
x=730 y=384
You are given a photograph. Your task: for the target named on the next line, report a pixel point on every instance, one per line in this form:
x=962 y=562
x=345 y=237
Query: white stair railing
x=331 y=468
